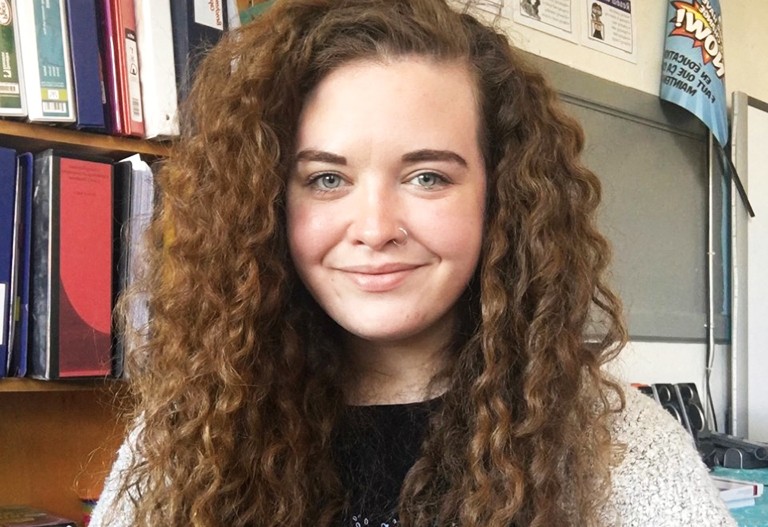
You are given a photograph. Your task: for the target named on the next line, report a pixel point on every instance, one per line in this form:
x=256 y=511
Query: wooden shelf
x=14 y=385
x=57 y=447
x=36 y=138
x=58 y=438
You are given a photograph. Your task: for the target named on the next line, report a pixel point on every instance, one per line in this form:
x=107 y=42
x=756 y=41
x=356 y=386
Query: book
x=121 y=67
x=13 y=305
x=134 y=203
x=733 y=489
x=18 y=363
x=247 y=10
x=86 y=69
x=8 y=172
x=197 y=26
x=71 y=287
x=158 y=79
x=24 y=516
x=12 y=99
x=44 y=46
x=737 y=493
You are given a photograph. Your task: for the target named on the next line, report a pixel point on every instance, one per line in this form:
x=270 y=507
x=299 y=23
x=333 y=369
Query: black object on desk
x=735 y=452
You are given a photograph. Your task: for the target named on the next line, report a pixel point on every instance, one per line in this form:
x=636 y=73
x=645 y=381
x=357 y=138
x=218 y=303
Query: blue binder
x=86 y=72
x=8 y=173
x=18 y=361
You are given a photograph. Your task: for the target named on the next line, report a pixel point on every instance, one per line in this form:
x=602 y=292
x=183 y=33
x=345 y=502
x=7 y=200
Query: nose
x=376 y=211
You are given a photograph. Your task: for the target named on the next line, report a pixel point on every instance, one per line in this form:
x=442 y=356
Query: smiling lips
x=380 y=278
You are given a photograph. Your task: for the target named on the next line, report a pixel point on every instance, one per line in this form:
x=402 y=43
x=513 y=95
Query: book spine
x=14 y=307
x=197 y=26
x=132 y=105
x=84 y=48
x=8 y=174
x=158 y=80
x=12 y=99
x=126 y=81
x=45 y=56
x=21 y=344
x=110 y=67
x=43 y=343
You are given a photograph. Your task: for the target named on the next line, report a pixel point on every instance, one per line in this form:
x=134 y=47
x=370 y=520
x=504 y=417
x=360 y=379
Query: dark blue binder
x=8 y=174
x=18 y=363
x=86 y=60
x=191 y=40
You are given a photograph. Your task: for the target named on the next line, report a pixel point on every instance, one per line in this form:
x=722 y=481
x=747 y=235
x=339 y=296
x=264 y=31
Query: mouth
x=379 y=279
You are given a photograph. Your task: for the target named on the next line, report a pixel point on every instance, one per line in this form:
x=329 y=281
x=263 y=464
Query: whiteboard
x=652 y=161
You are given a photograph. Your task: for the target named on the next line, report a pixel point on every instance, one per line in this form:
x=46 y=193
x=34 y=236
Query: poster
x=609 y=27
x=555 y=17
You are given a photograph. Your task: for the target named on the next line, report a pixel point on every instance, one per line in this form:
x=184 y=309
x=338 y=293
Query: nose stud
x=405 y=237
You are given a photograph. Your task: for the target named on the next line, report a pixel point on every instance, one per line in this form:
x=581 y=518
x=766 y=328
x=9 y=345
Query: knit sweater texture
x=660 y=482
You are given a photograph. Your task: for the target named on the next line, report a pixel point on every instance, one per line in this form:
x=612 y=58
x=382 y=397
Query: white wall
x=744 y=43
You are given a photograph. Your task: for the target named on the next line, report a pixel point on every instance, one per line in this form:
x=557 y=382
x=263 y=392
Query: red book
x=121 y=67
x=71 y=267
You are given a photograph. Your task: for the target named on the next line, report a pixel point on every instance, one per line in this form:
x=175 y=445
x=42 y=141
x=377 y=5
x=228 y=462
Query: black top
x=374 y=449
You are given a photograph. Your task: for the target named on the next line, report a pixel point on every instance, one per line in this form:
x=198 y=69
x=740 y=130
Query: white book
x=44 y=50
x=156 y=65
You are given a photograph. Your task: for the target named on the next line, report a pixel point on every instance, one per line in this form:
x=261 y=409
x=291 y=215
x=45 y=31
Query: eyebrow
x=416 y=156
x=321 y=156
x=434 y=155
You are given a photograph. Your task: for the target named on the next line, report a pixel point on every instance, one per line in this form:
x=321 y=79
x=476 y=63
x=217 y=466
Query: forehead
x=407 y=97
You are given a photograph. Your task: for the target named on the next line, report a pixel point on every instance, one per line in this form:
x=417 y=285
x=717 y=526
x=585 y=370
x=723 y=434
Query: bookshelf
x=58 y=438
x=35 y=138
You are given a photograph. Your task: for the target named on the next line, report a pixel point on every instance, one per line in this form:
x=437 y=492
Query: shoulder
x=660 y=479
x=114 y=509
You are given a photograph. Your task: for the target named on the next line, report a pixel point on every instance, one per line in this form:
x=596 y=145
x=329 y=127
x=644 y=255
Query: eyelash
x=440 y=179
x=315 y=181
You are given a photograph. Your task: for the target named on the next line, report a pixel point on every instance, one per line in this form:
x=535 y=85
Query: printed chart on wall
x=491 y=7
x=609 y=27
x=555 y=17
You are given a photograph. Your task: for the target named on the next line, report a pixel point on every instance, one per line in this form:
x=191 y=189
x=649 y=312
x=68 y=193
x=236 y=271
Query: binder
x=18 y=362
x=121 y=67
x=7 y=213
x=158 y=79
x=44 y=46
x=12 y=99
x=197 y=26
x=86 y=57
x=134 y=203
x=71 y=285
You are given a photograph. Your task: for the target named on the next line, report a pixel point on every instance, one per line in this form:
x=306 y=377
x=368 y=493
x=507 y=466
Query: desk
x=757 y=515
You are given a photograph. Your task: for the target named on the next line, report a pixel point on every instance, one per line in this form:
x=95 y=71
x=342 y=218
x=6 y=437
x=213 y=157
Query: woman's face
x=383 y=148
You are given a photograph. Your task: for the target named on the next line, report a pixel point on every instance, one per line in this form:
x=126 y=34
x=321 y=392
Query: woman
x=372 y=277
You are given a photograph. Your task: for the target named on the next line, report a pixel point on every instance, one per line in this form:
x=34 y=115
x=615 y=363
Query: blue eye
x=327 y=181
x=428 y=180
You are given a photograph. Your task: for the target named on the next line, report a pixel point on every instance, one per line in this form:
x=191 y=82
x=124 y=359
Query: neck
x=397 y=372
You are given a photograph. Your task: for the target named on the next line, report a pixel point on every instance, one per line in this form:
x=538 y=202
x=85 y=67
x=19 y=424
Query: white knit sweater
x=661 y=481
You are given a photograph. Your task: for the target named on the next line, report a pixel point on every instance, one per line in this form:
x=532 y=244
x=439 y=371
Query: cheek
x=456 y=231
x=308 y=234
x=299 y=238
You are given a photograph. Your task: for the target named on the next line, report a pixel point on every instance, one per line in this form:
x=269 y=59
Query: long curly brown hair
x=238 y=378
